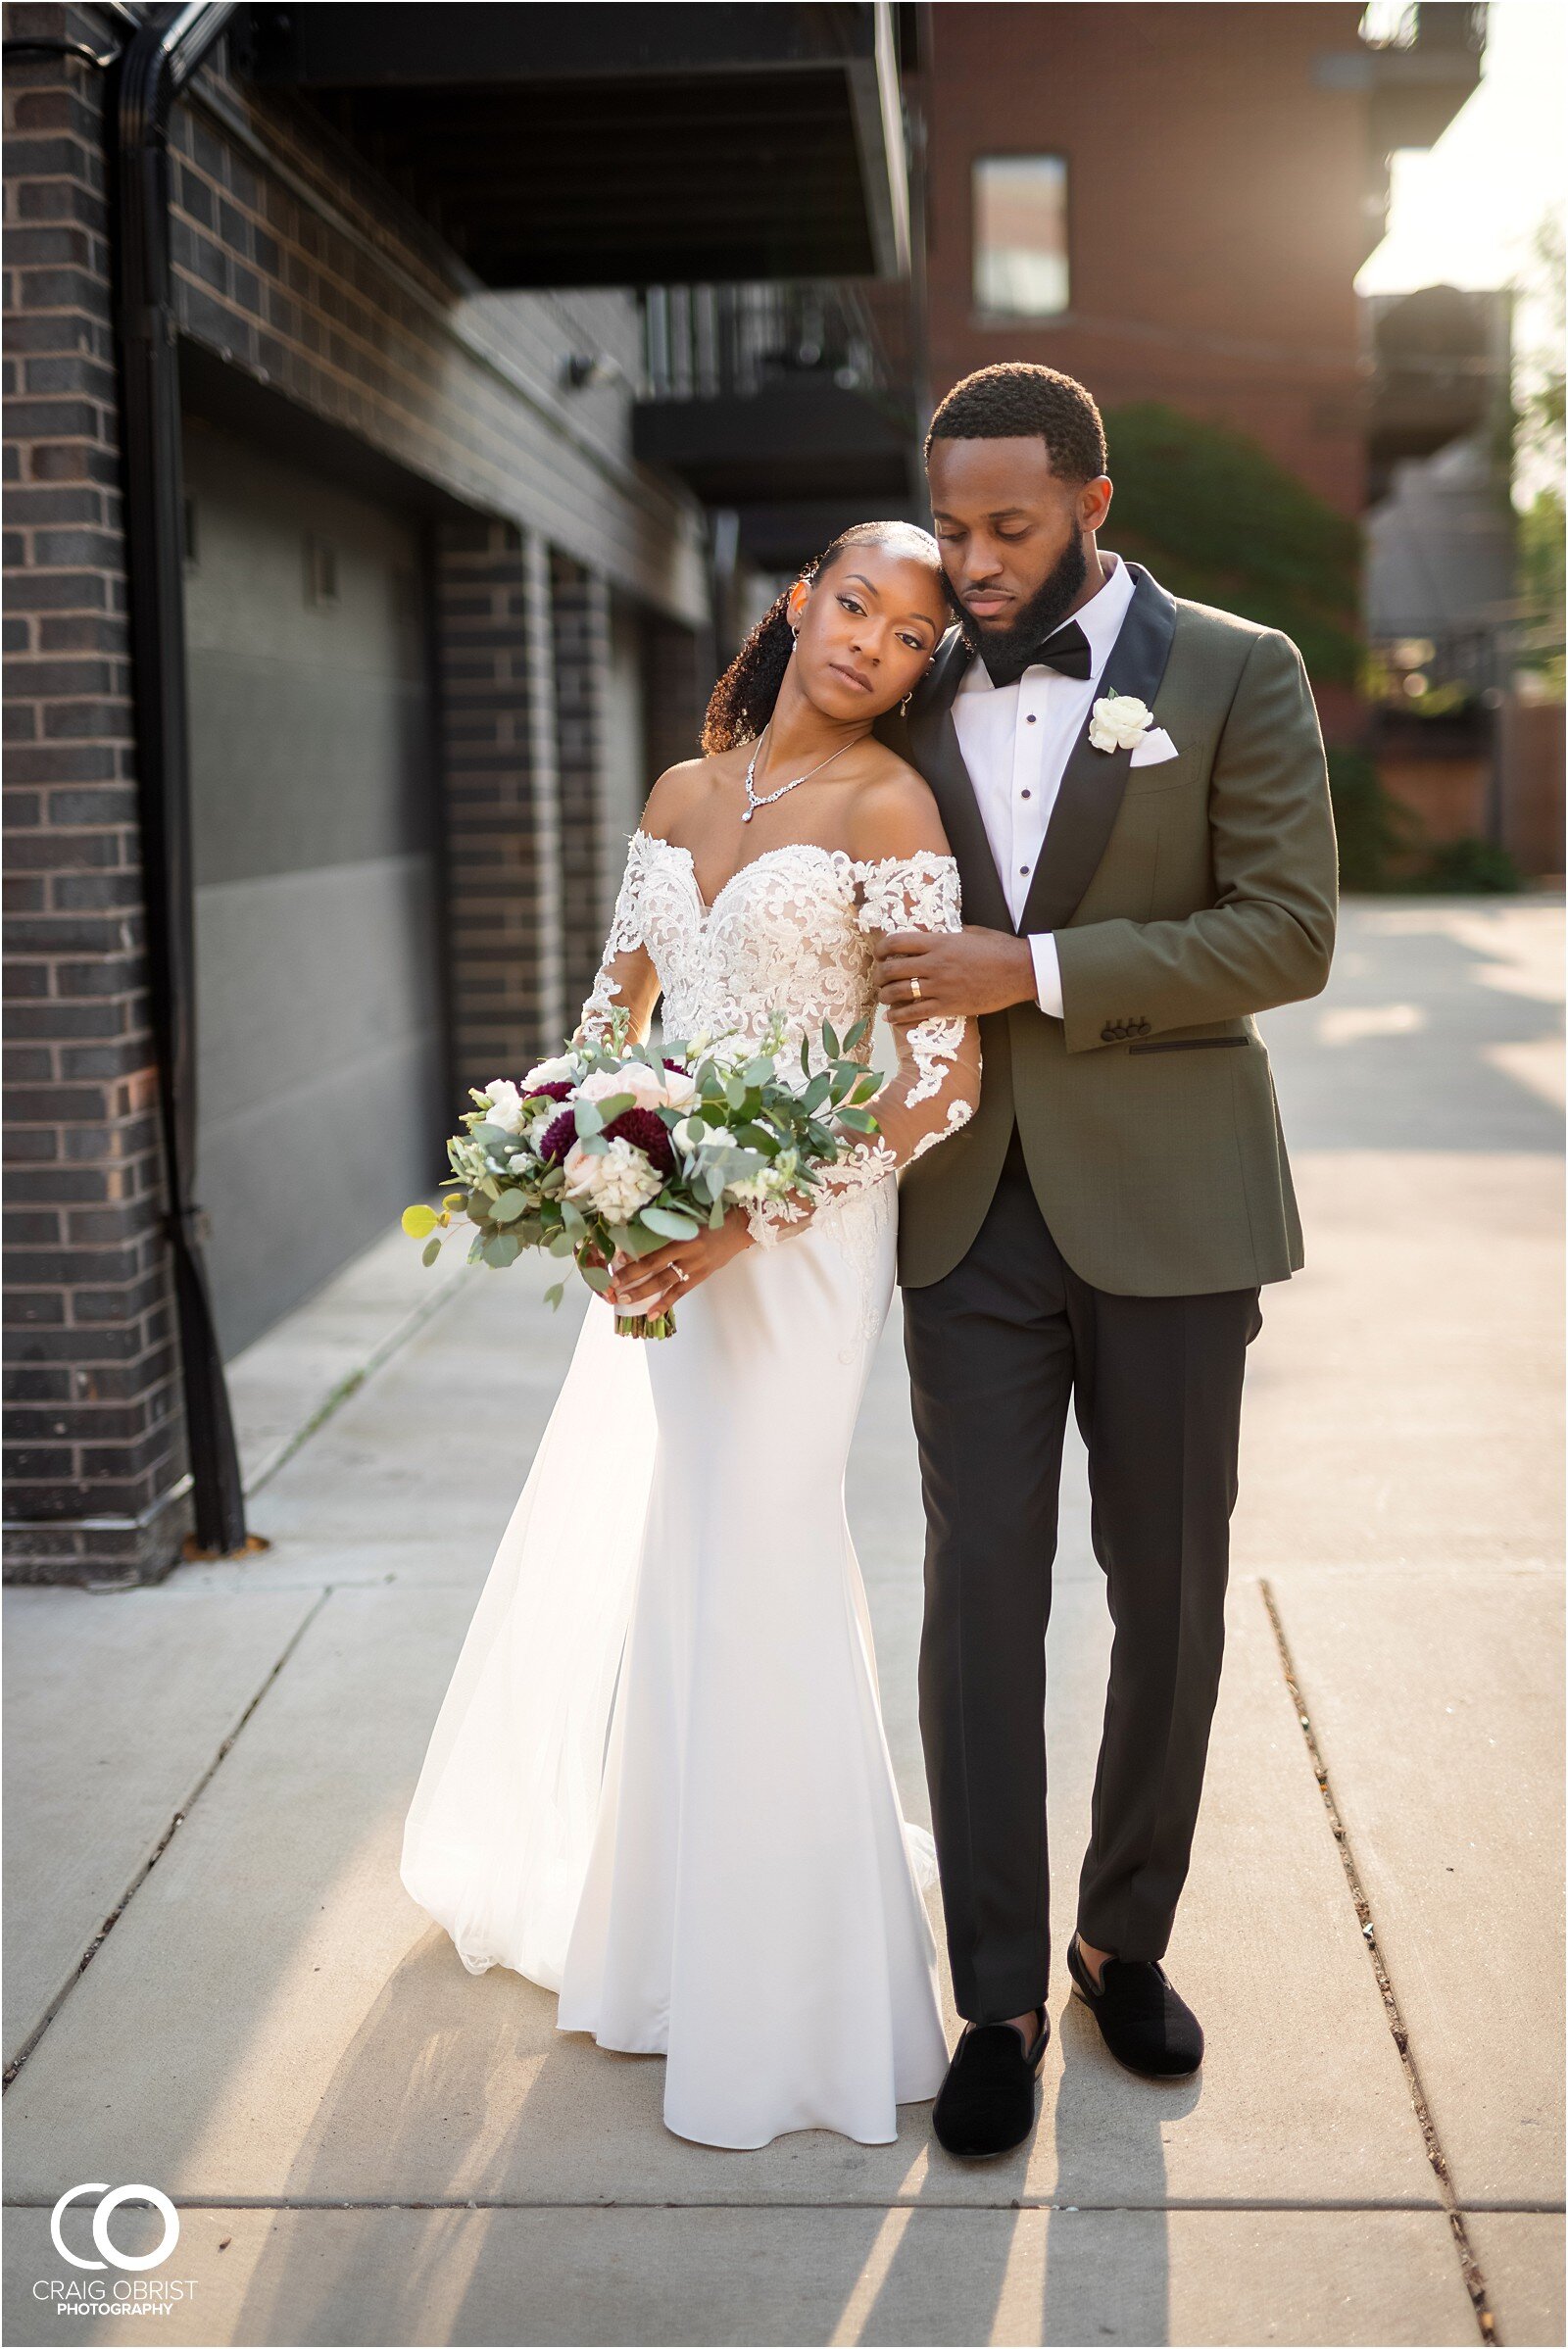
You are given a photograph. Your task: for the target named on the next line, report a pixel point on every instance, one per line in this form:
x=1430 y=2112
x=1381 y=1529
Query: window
x=1020 y=235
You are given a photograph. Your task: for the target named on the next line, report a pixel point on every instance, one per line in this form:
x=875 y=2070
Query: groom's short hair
x=1017 y=400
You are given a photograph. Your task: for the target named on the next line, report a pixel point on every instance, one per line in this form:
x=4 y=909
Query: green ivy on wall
x=1219 y=520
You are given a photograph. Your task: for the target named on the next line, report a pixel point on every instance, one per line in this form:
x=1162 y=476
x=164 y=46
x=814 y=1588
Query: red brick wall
x=1216 y=209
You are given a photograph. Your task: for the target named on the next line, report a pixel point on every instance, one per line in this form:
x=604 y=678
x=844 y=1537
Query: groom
x=1135 y=791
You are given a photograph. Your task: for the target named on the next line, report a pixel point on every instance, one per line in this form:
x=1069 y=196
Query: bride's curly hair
x=742 y=701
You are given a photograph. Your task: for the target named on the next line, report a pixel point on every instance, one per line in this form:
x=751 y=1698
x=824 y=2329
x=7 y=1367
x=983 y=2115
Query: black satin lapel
x=933 y=747
x=1093 y=781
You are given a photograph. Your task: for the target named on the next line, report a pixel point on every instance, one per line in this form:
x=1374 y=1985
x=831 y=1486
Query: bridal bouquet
x=613 y=1145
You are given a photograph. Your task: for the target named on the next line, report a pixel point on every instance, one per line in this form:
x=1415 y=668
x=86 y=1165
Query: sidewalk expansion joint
x=160 y=1847
x=350 y=1384
x=1475 y=2282
x=1222 y=2205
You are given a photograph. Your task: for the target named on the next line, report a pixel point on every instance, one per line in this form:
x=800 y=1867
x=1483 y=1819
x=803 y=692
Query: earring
x=904 y=705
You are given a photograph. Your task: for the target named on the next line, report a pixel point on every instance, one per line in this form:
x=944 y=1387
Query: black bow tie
x=1067 y=650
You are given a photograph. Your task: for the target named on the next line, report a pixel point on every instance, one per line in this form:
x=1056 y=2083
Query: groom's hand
x=961 y=973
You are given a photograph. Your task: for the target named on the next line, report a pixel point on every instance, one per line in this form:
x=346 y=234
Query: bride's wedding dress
x=659 y=1783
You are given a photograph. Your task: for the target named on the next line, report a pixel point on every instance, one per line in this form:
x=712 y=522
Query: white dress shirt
x=1015 y=740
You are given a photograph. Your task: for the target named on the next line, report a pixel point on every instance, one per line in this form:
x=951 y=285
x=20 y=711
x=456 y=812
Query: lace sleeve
x=935 y=1088
x=626 y=979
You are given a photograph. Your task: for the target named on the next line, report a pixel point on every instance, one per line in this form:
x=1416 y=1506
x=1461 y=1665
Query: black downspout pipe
x=154 y=67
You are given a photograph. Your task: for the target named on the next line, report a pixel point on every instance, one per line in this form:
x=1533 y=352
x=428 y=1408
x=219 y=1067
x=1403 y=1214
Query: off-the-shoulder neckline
x=925 y=861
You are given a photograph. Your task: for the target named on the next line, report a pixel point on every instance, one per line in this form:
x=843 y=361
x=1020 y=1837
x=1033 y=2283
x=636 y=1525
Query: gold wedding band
x=915 y=990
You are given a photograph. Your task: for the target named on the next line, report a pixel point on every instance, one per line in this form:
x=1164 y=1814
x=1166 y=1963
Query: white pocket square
x=1151 y=747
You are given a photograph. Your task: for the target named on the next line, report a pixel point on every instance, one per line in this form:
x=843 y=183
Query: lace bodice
x=791 y=934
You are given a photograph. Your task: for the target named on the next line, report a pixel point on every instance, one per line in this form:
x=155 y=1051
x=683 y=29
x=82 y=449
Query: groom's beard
x=1004 y=651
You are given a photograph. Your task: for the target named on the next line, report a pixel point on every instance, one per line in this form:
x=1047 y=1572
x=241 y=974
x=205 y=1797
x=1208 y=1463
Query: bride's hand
x=656 y=1283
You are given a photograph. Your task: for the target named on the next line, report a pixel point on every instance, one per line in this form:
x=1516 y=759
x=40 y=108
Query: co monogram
x=110 y=2203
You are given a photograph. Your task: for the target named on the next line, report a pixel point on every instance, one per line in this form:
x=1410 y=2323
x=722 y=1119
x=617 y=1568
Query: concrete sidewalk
x=366 y=2145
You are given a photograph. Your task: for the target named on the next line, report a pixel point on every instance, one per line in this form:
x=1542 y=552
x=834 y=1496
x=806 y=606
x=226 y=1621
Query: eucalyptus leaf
x=859 y=1120
x=669 y=1224
x=553 y=1297
x=419 y=1221
x=597 y=1277
x=587 y=1119
x=430 y=1250
x=857 y=1035
x=614 y=1106
x=502 y=1250
x=509 y=1207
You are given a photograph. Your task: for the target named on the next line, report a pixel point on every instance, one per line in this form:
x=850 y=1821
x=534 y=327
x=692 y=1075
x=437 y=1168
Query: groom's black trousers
x=995 y=1351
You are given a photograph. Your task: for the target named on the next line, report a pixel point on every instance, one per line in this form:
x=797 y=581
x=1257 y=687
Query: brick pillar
x=496 y=669
x=580 y=604
x=94 y=1436
x=674 y=693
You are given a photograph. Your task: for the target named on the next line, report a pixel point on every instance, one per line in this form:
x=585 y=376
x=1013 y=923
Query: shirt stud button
x=1030 y=719
x=1025 y=795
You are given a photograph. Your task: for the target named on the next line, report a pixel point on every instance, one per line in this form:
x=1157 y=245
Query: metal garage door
x=320 y=1090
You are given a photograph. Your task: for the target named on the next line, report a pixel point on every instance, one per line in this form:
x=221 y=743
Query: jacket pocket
x=1188 y=1044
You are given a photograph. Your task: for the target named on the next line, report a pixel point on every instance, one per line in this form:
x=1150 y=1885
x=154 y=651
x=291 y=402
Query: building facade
x=438 y=627
x=498 y=358
x=1172 y=202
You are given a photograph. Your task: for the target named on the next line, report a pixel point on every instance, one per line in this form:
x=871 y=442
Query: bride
x=659 y=1783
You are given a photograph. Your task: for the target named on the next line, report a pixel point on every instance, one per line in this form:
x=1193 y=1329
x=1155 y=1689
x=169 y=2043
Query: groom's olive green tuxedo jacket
x=1185 y=895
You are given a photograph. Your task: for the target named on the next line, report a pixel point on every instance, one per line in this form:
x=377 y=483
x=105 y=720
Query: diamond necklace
x=765 y=798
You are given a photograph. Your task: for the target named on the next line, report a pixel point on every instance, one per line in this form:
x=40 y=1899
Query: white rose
x=1117 y=720
x=615 y=1181
x=559 y=1071
x=505 y=1105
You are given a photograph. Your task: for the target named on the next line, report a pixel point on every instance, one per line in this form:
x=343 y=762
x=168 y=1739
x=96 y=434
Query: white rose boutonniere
x=1118 y=721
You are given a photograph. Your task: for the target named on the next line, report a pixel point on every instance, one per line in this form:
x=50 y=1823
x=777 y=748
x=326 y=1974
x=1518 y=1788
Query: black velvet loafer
x=1140 y=2018
x=986 y=2105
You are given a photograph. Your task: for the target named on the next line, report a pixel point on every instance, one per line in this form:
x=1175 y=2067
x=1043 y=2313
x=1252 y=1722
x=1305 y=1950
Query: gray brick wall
x=496 y=678
x=580 y=614
x=93 y=1425
x=295 y=266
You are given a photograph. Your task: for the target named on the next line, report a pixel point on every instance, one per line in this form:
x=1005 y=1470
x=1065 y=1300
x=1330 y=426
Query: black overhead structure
x=791 y=407
x=620 y=145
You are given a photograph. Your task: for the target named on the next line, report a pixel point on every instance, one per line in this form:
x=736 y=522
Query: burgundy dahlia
x=645 y=1132
x=559 y=1135
x=558 y=1090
